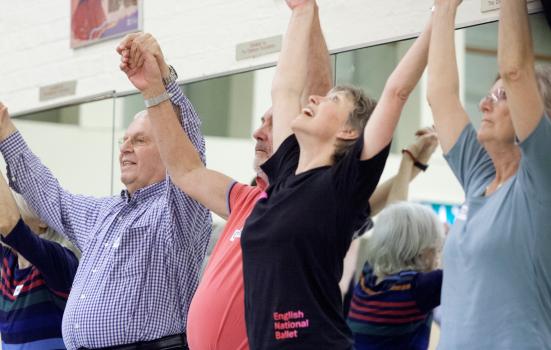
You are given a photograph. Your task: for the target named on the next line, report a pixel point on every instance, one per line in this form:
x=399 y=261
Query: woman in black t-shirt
x=321 y=177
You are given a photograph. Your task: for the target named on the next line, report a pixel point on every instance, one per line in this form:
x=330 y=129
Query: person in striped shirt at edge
x=142 y=250
x=37 y=275
x=400 y=285
x=216 y=319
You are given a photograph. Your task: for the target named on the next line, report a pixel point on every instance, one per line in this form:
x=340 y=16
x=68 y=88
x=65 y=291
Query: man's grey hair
x=402 y=232
x=27 y=212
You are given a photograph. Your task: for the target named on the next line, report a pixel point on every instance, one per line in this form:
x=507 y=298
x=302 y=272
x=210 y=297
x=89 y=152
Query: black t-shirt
x=294 y=243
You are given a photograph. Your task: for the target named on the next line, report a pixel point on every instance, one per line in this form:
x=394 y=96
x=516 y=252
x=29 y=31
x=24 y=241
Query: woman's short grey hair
x=358 y=117
x=543 y=79
x=26 y=211
x=402 y=232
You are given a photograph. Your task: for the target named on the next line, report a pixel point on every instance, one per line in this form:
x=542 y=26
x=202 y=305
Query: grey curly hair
x=402 y=233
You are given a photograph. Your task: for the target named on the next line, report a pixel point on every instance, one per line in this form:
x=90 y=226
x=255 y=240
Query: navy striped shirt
x=395 y=313
x=33 y=298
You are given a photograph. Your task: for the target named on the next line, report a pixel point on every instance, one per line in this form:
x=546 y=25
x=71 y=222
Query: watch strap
x=157 y=100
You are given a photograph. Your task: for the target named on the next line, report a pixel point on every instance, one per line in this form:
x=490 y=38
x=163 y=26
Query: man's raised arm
x=142 y=61
x=71 y=215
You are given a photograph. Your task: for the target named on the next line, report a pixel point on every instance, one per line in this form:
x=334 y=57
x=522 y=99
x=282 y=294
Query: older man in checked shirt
x=142 y=249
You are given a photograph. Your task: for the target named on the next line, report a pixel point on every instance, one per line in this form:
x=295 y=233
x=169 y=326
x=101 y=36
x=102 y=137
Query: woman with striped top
x=400 y=286
x=37 y=275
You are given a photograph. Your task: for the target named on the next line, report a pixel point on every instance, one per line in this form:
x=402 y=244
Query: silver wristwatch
x=172 y=76
x=157 y=100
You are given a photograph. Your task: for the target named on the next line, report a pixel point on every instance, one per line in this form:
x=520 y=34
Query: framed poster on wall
x=98 y=20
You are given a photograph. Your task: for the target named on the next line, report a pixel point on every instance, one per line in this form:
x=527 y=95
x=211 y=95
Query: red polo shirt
x=216 y=318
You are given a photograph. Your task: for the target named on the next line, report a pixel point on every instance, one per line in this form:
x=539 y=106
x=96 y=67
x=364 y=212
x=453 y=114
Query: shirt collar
x=144 y=193
x=261 y=183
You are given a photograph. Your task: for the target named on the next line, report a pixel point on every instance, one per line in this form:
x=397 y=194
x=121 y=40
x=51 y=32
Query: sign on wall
x=490 y=5
x=98 y=20
x=257 y=48
x=50 y=92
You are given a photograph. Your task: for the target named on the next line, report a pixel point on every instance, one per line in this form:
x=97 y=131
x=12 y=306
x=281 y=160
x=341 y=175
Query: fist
x=6 y=125
x=425 y=145
x=3 y=113
x=142 y=60
x=297 y=3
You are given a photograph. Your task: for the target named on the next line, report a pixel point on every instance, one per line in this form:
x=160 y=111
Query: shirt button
x=13 y=178
x=94 y=271
x=106 y=244
x=82 y=296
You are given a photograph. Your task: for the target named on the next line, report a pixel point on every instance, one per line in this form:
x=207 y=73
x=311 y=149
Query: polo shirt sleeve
x=427 y=290
x=236 y=193
x=535 y=163
x=469 y=161
x=57 y=264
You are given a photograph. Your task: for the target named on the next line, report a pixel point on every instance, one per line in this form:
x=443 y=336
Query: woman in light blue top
x=496 y=292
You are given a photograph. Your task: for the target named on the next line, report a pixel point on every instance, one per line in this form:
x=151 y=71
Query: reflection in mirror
x=477 y=60
x=78 y=142
x=369 y=69
x=481 y=59
x=225 y=104
x=75 y=143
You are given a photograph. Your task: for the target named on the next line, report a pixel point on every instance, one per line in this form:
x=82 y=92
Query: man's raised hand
x=142 y=60
x=6 y=125
x=297 y=3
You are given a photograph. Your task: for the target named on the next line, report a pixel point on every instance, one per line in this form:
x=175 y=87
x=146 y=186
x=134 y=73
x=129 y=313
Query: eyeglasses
x=495 y=96
x=136 y=142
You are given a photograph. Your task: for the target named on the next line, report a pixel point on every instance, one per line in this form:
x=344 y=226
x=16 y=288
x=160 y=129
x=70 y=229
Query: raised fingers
x=127 y=41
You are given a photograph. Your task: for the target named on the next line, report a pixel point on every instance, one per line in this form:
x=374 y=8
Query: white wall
x=199 y=38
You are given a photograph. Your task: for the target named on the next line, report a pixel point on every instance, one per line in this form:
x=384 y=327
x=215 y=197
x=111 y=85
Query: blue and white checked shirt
x=141 y=254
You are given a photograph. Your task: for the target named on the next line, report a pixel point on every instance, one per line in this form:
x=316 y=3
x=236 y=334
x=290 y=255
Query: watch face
x=173 y=73
x=172 y=76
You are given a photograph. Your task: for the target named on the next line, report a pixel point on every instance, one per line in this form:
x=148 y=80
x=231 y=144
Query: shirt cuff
x=13 y=146
x=175 y=92
x=18 y=236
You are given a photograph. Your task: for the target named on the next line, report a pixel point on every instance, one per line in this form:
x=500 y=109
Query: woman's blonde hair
x=26 y=212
